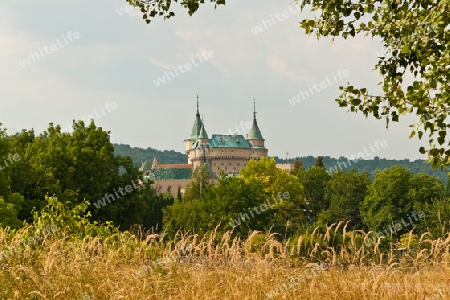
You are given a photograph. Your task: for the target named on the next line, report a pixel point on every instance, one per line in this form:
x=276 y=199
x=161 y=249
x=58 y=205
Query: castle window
x=230 y=164
x=222 y=164
x=238 y=164
x=214 y=164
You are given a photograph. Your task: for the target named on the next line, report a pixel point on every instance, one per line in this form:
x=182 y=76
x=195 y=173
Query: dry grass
x=124 y=266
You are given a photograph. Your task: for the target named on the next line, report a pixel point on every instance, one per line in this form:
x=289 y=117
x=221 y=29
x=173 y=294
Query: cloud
x=281 y=67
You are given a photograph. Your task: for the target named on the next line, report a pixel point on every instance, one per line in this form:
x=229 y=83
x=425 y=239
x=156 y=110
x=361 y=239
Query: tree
x=314 y=181
x=298 y=165
x=75 y=167
x=394 y=193
x=200 y=181
x=416 y=41
x=319 y=162
x=345 y=192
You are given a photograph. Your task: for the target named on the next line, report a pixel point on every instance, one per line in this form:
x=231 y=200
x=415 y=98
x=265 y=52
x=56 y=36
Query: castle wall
x=230 y=160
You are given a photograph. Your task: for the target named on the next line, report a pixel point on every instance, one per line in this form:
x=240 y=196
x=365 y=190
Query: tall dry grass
x=139 y=266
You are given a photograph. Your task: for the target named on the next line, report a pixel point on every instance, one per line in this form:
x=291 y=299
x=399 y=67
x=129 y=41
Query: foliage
x=394 y=193
x=140 y=155
x=345 y=192
x=314 y=181
x=201 y=177
x=416 y=41
x=162 y=8
x=9 y=210
x=75 y=167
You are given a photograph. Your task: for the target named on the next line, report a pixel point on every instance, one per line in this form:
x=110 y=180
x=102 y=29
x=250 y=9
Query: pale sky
x=92 y=59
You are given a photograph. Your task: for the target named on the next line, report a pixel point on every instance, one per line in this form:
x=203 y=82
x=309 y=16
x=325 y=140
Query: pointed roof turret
x=203 y=134
x=198 y=124
x=255 y=133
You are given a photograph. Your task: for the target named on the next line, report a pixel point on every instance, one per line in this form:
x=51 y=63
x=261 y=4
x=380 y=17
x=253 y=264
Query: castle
x=220 y=152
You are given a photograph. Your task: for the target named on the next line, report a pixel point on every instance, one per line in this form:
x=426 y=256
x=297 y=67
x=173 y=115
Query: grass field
x=54 y=264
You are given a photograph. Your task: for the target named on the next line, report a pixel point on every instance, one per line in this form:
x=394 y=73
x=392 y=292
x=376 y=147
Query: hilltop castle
x=221 y=152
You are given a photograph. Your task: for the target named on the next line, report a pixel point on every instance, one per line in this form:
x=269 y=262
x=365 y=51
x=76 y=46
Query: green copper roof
x=255 y=133
x=172 y=173
x=198 y=124
x=229 y=141
x=203 y=134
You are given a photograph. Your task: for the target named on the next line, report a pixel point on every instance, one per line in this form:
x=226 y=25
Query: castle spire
x=198 y=111
x=198 y=124
x=255 y=133
x=254 y=108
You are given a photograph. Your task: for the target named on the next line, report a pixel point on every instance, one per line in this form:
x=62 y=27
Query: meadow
x=92 y=261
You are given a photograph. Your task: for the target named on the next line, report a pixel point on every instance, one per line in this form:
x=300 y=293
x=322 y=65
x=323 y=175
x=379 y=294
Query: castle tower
x=254 y=137
x=198 y=136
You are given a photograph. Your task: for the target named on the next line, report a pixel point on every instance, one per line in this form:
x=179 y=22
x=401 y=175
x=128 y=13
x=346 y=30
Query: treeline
x=267 y=199
x=139 y=155
x=74 y=167
x=83 y=166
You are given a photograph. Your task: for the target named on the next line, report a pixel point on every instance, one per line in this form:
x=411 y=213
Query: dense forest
x=139 y=155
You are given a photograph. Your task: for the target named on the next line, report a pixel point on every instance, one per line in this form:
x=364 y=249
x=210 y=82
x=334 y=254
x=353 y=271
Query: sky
x=62 y=60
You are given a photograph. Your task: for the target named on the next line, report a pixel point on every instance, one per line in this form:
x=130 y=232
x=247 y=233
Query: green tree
x=319 y=162
x=394 y=193
x=345 y=192
x=75 y=167
x=201 y=177
x=416 y=43
x=9 y=211
x=287 y=215
x=298 y=165
x=314 y=181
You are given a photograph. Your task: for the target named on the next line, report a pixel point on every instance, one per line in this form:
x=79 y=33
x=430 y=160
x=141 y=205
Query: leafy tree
x=298 y=165
x=345 y=192
x=314 y=181
x=437 y=217
x=9 y=211
x=319 y=162
x=394 y=193
x=201 y=177
x=75 y=167
x=276 y=183
x=416 y=42
x=5 y=166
